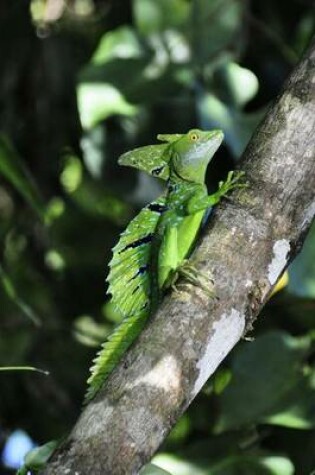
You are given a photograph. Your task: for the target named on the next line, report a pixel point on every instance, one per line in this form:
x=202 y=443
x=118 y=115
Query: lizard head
x=192 y=153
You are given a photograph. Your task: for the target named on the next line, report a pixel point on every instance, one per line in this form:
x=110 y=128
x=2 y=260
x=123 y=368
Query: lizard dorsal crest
x=130 y=284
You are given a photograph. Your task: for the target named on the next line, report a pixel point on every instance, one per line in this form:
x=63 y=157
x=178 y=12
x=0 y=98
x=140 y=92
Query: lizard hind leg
x=192 y=275
x=196 y=277
x=171 y=266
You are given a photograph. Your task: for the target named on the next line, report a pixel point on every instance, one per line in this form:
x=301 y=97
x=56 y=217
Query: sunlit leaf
x=72 y=174
x=177 y=465
x=229 y=463
x=98 y=101
x=117 y=86
x=152 y=469
x=278 y=465
x=54 y=260
x=55 y=208
x=88 y=332
x=238 y=85
x=119 y=43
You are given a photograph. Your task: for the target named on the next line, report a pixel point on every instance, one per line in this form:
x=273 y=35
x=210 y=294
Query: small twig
x=24 y=368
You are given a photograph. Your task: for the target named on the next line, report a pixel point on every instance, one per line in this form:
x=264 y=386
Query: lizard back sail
x=130 y=284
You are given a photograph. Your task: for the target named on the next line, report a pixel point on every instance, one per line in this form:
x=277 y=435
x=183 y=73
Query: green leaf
x=98 y=101
x=237 y=85
x=155 y=16
x=14 y=170
x=37 y=458
x=88 y=332
x=152 y=469
x=180 y=431
x=228 y=463
x=222 y=378
x=177 y=465
x=116 y=86
x=119 y=43
x=268 y=384
x=278 y=465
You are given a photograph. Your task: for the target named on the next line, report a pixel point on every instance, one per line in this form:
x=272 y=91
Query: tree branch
x=247 y=245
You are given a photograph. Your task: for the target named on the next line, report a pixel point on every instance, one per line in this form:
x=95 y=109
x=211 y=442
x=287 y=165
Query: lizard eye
x=194 y=137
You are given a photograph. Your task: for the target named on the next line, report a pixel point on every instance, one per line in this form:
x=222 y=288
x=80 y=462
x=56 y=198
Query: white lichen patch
x=281 y=250
x=248 y=283
x=165 y=375
x=226 y=332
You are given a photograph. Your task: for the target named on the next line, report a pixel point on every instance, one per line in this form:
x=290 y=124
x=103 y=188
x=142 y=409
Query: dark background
x=81 y=82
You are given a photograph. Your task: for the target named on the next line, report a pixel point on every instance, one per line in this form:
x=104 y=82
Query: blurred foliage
x=81 y=82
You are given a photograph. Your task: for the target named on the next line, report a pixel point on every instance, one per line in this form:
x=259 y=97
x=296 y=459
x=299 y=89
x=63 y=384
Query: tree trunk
x=247 y=245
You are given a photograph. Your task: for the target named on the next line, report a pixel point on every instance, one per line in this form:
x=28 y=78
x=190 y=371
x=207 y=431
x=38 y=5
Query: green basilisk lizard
x=157 y=242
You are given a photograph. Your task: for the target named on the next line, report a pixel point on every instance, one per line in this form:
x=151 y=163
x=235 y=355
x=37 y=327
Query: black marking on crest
x=145 y=240
x=157 y=171
x=140 y=271
x=157 y=208
x=172 y=187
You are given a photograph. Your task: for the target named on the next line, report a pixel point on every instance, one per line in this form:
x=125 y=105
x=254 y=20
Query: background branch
x=249 y=242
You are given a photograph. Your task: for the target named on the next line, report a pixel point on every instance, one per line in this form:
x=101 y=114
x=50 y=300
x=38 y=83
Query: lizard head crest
x=187 y=155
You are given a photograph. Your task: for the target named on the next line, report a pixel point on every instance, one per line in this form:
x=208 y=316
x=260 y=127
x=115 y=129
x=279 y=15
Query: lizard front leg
x=201 y=201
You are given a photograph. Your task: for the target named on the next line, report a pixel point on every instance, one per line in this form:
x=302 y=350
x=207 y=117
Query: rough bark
x=247 y=245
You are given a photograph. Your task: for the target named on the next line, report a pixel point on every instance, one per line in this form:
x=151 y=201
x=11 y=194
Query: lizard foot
x=232 y=182
x=195 y=277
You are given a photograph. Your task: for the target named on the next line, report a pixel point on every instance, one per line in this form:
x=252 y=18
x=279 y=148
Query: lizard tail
x=112 y=350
